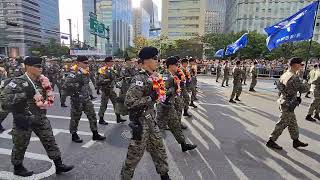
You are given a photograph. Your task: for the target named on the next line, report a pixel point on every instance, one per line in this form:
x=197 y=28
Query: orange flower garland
x=177 y=82
x=159 y=86
x=77 y=68
x=182 y=75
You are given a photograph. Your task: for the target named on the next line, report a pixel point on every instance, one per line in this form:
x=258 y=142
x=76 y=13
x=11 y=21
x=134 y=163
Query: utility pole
x=70 y=32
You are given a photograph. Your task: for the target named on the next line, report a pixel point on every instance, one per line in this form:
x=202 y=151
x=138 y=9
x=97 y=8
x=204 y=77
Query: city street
x=230 y=137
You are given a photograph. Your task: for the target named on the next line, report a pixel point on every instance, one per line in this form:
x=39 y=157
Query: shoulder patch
x=12 y=84
x=72 y=75
x=165 y=78
x=25 y=84
x=139 y=83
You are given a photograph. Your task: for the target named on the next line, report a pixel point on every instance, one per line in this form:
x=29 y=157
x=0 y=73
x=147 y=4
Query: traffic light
x=12 y=24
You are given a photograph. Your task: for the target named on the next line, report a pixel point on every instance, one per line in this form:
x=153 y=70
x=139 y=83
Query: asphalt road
x=230 y=141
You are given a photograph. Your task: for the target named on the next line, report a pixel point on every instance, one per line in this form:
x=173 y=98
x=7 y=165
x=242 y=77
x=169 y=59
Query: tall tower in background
x=215 y=16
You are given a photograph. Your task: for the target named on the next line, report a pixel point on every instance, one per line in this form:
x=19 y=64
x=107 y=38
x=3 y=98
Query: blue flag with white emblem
x=240 y=43
x=297 y=27
x=219 y=53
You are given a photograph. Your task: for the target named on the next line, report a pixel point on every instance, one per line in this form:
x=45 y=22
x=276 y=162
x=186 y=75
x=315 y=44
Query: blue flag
x=240 y=43
x=219 y=53
x=298 y=27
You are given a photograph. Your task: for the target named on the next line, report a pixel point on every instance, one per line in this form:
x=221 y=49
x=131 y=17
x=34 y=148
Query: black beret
x=82 y=58
x=177 y=57
x=192 y=60
x=148 y=53
x=238 y=62
x=255 y=62
x=295 y=60
x=108 y=59
x=172 y=61
x=184 y=60
x=30 y=61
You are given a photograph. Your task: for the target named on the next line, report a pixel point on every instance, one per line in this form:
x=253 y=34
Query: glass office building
x=32 y=16
x=215 y=16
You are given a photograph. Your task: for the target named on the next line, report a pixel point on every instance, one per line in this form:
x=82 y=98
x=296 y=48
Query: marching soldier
x=15 y=68
x=218 y=71
x=3 y=113
x=310 y=78
x=254 y=76
x=237 y=82
x=61 y=84
x=193 y=82
x=315 y=88
x=289 y=85
x=77 y=85
x=21 y=96
x=185 y=87
x=167 y=111
x=226 y=72
x=244 y=73
x=140 y=100
x=107 y=79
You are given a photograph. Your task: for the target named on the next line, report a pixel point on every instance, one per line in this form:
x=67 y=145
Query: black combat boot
x=63 y=105
x=317 y=117
x=97 y=137
x=76 y=138
x=185 y=113
x=297 y=143
x=222 y=86
x=252 y=90
x=165 y=177
x=187 y=147
x=102 y=121
x=193 y=105
x=20 y=170
x=309 y=118
x=61 y=168
x=98 y=91
x=237 y=98
x=273 y=145
x=92 y=97
x=184 y=126
x=232 y=101
x=119 y=119
x=2 y=128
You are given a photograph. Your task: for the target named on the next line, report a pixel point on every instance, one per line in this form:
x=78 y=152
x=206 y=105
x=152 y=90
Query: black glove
x=154 y=95
x=137 y=130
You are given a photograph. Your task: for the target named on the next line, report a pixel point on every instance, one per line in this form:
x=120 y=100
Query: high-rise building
x=215 y=16
x=141 y=23
x=152 y=9
x=183 y=19
x=114 y=14
x=37 y=22
x=255 y=15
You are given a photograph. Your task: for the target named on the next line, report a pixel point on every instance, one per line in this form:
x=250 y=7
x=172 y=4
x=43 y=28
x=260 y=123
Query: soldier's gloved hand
x=154 y=95
x=136 y=130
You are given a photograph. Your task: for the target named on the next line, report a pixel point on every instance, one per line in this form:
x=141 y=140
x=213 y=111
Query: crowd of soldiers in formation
x=155 y=94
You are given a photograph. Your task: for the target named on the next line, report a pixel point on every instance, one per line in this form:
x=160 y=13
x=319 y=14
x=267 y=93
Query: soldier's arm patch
x=25 y=84
x=139 y=83
x=12 y=84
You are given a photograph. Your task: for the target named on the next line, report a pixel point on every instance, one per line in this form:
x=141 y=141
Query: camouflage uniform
x=315 y=105
x=292 y=84
x=184 y=90
x=107 y=80
x=14 y=69
x=218 y=72
x=53 y=74
x=61 y=83
x=138 y=98
x=27 y=118
x=244 y=74
x=77 y=85
x=3 y=113
x=93 y=73
x=254 y=76
x=169 y=113
x=237 y=82
x=226 y=71
x=193 y=84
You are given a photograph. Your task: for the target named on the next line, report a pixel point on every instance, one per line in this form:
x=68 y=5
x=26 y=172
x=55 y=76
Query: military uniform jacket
x=237 y=74
x=226 y=70
x=106 y=78
x=254 y=71
x=14 y=69
x=19 y=93
x=77 y=84
x=126 y=74
x=218 y=69
x=171 y=87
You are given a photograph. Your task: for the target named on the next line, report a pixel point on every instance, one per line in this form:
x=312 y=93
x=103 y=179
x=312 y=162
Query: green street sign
x=96 y=27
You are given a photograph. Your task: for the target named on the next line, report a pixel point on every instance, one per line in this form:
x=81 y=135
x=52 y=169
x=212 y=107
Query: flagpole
x=310 y=43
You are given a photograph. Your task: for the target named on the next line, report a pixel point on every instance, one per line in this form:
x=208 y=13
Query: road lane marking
x=88 y=144
x=82 y=119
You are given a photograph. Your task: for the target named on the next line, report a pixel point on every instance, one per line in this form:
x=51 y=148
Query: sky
x=72 y=9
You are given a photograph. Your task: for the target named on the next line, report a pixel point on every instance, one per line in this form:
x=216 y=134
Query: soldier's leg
x=42 y=128
x=224 y=79
x=239 y=90
x=103 y=105
x=76 y=112
x=175 y=125
x=281 y=125
x=161 y=117
x=158 y=153
x=293 y=127
x=314 y=106
x=20 y=139
x=234 y=90
x=186 y=100
x=91 y=114
x=227 y=81
x=113 y=99
x=217 y=78
x=3 y=116
x=193 y=94
x=135 y=152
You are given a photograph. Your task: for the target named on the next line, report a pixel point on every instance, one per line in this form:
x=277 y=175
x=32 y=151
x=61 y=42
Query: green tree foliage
x=51 y=49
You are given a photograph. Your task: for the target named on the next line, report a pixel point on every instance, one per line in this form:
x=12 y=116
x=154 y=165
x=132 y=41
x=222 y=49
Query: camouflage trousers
x=168 y=115
x=237 y=89
x=314 y=106
x=253 y=82
x=106 y=95
x=77 y=106
x=186 y=99
x=93 y=80
x=218 y=76
x=153 y=143
x=21 y=137
x=193 y=93
x=225 y=79
x=287 y=119
x=179 y=105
